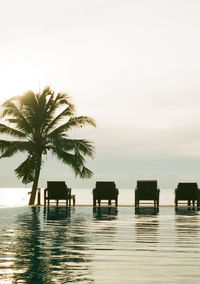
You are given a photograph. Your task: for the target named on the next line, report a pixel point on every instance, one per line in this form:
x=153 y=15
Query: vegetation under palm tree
x=40 y=123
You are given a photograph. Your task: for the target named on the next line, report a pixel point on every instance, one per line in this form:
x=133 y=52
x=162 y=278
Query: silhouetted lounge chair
x=147 y=190
x=105 y=190
x=58 y=190
x=187 y=191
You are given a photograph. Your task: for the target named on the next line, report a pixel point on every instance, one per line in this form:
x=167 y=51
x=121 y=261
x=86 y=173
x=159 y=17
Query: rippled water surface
x=59 y=245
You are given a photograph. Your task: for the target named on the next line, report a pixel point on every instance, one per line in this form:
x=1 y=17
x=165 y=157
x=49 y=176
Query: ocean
x=19 y=196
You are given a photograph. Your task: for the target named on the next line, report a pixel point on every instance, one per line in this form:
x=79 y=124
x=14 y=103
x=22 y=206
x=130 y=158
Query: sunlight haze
x=132 y=65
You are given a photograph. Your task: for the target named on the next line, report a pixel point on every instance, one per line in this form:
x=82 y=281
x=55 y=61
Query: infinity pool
x=80 y=245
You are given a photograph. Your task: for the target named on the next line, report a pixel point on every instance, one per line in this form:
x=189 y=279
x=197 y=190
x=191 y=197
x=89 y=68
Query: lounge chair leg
x=74 y=200
x=94 y=201
x=99 y=202
x=109 y=201
x=189 y=203
x=116 y=202
x=57 y=202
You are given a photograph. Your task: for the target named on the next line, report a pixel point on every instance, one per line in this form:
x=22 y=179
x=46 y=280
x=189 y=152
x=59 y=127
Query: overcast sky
x=132 y=65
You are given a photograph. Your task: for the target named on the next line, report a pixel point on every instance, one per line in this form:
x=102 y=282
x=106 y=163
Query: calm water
x=19 y=196
x=59 y=245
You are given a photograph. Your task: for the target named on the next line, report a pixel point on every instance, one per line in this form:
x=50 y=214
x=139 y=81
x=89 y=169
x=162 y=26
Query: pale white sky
x=132 y=65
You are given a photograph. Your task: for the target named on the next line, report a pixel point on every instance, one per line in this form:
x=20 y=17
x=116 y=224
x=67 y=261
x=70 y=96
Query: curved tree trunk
x=35 y=183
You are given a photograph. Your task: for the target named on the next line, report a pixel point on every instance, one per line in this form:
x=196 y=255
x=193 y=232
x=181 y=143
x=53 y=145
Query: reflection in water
x=104 y=226
x=107 y=245
x=186 y=211
x=187 y=225
x=28 y=264
x=187 y=245
x=147 y=225
x=147 y=229
x=57 y=213
x=146 y=210
x=105 y=213
x=51 y=251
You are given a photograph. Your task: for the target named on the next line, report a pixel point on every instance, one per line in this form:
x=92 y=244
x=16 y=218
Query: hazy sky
x=132 y=65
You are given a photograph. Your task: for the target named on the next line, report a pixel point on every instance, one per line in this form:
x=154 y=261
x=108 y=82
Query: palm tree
x=40 y=122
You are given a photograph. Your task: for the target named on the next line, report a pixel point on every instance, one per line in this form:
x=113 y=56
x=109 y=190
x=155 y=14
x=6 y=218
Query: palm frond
x=27 y=99
x=4 y=129
x=67 y=112
x=83 y=146
x=12 y=110
x=86 y=173
x=67 y=158
x=9 y=148
x=62 y=99
x=55 y=102
x=26 y=171
x=75 y=161
x=74 y=122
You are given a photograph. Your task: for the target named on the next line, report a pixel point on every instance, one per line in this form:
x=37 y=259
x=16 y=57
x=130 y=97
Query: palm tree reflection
x=51 y=247
x=29 y=264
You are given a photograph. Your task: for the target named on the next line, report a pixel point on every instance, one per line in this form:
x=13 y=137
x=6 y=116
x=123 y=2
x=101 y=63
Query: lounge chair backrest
x=187 y=187
x=105 y=185
x=105 y=189
x=149 y=185
x=56 y=189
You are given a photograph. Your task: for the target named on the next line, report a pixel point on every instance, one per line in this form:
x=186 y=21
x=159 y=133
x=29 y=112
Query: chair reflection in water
x=105 y=212
x=57 y=212
x=105 y=190
x=58 y=190
x=146 y=210
x=189 y=192
x=147 y=190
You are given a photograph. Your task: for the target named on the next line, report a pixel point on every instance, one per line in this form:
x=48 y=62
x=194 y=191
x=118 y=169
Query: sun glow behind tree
x=41 y=122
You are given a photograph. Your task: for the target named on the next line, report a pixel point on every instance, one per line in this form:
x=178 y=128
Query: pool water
x=106 y=245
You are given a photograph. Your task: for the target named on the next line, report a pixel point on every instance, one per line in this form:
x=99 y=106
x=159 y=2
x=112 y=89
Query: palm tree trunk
x=35 y=183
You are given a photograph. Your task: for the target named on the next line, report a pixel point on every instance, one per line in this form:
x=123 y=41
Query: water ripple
x=106 y=245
